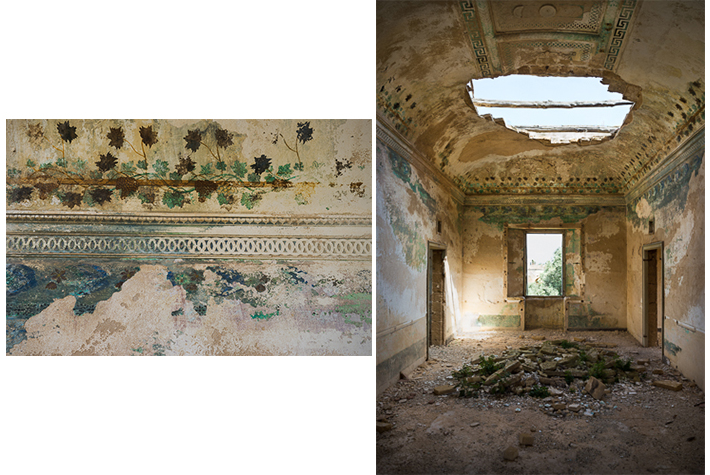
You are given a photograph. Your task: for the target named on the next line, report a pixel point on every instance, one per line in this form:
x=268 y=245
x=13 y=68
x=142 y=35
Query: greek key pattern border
x=189 y=246
x=616 y=42
x=158 y=219
x=468 y=11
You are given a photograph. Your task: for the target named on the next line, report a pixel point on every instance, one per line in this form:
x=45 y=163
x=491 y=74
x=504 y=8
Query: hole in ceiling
x=559 y=109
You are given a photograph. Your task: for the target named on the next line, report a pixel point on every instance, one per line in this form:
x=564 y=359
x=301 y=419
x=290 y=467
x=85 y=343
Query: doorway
x=436 y=300
x=653 y=295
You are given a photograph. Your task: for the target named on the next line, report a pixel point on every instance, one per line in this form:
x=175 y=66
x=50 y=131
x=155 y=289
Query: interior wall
x=410 y=201
x=601 y=276
x=189 y=237
x=674 y=197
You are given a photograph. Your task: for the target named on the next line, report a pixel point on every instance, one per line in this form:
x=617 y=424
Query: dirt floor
x=636 y=428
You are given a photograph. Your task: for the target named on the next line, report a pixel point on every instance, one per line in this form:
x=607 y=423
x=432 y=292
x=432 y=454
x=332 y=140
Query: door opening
x=653 y=296
x=436 y=322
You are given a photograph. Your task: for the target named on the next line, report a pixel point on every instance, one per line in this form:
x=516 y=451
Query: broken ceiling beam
x=565 y=128
x=547 y=104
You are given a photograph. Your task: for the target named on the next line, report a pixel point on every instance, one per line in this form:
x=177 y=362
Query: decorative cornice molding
x=692 y=146
x=132 y=246
x=402 y=146
x=182 y=219
x=545 y=200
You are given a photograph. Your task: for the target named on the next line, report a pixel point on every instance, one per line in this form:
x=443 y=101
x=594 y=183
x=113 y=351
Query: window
x=559 y=109
x=544 y=264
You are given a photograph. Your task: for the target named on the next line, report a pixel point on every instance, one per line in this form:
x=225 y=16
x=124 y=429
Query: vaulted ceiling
x=650 y=51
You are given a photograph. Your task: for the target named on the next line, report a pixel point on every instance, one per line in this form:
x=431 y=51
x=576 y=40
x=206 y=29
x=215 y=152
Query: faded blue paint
x=672 y=188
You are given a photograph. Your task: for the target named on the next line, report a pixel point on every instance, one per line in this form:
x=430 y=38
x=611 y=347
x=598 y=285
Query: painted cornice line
x=12 y=216
x=387 y=134
x=694 y=145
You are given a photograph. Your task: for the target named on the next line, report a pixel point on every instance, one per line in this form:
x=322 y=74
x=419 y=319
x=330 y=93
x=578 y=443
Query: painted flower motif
x=204 y=189
x=101 y=195
x=224 y=138
x=193 y=139
x=58 y=275
x=126 y=185
x=66 y=131
x=304 y=132
x=185 y=166
x=261 y=164
x=72 y=199
x=107 y=162
x=20 y=194
x=148 y=136
x=35 y=133
x=116 y=137
x=46 y=189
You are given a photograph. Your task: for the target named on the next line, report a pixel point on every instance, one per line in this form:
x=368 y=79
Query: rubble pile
x=539 y=369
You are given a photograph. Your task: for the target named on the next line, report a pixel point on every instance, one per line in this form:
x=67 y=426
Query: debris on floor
x=501 y=390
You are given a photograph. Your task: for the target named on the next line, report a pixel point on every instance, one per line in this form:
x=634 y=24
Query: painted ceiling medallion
x=547 y=11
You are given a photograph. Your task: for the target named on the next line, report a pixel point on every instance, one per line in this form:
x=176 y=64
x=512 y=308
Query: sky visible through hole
x=534 y=88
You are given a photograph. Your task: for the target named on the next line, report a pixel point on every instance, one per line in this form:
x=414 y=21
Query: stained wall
x=595 y=287
x=410 y=200
x=185 y=237
x=674 y=198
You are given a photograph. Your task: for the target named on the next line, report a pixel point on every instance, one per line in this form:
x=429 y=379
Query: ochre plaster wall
x=189 y=237
x=409 y=202
x=485 y=303
x=675 y=199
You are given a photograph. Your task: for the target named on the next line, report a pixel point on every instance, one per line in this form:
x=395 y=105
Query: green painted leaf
x=206 y=169
x=253 y=178
x=285 y=170
x=161 y=167
x=173 y=198
x=143 y=164
x=240 y=169
x=129 y=167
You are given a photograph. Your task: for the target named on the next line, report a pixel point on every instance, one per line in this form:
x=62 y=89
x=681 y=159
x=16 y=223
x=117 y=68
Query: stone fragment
x=568 y=361
x=513 y=380
x=548 y=365
x=638 y=368
x=513 y=367
x=444 y=389
x=642 y=361
x=537 y=337
x=574 y=407
x=475 y=424
x=510 y=454
x=577 y=373
x=474 y=379
x=672 y=385
x=555 y=392
x=593 y=356
x=384 y=426
x=595 y=388
x=579 y=338
x=526 y=438
x=558 y=406
x=530 y=368
x=657 y=371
